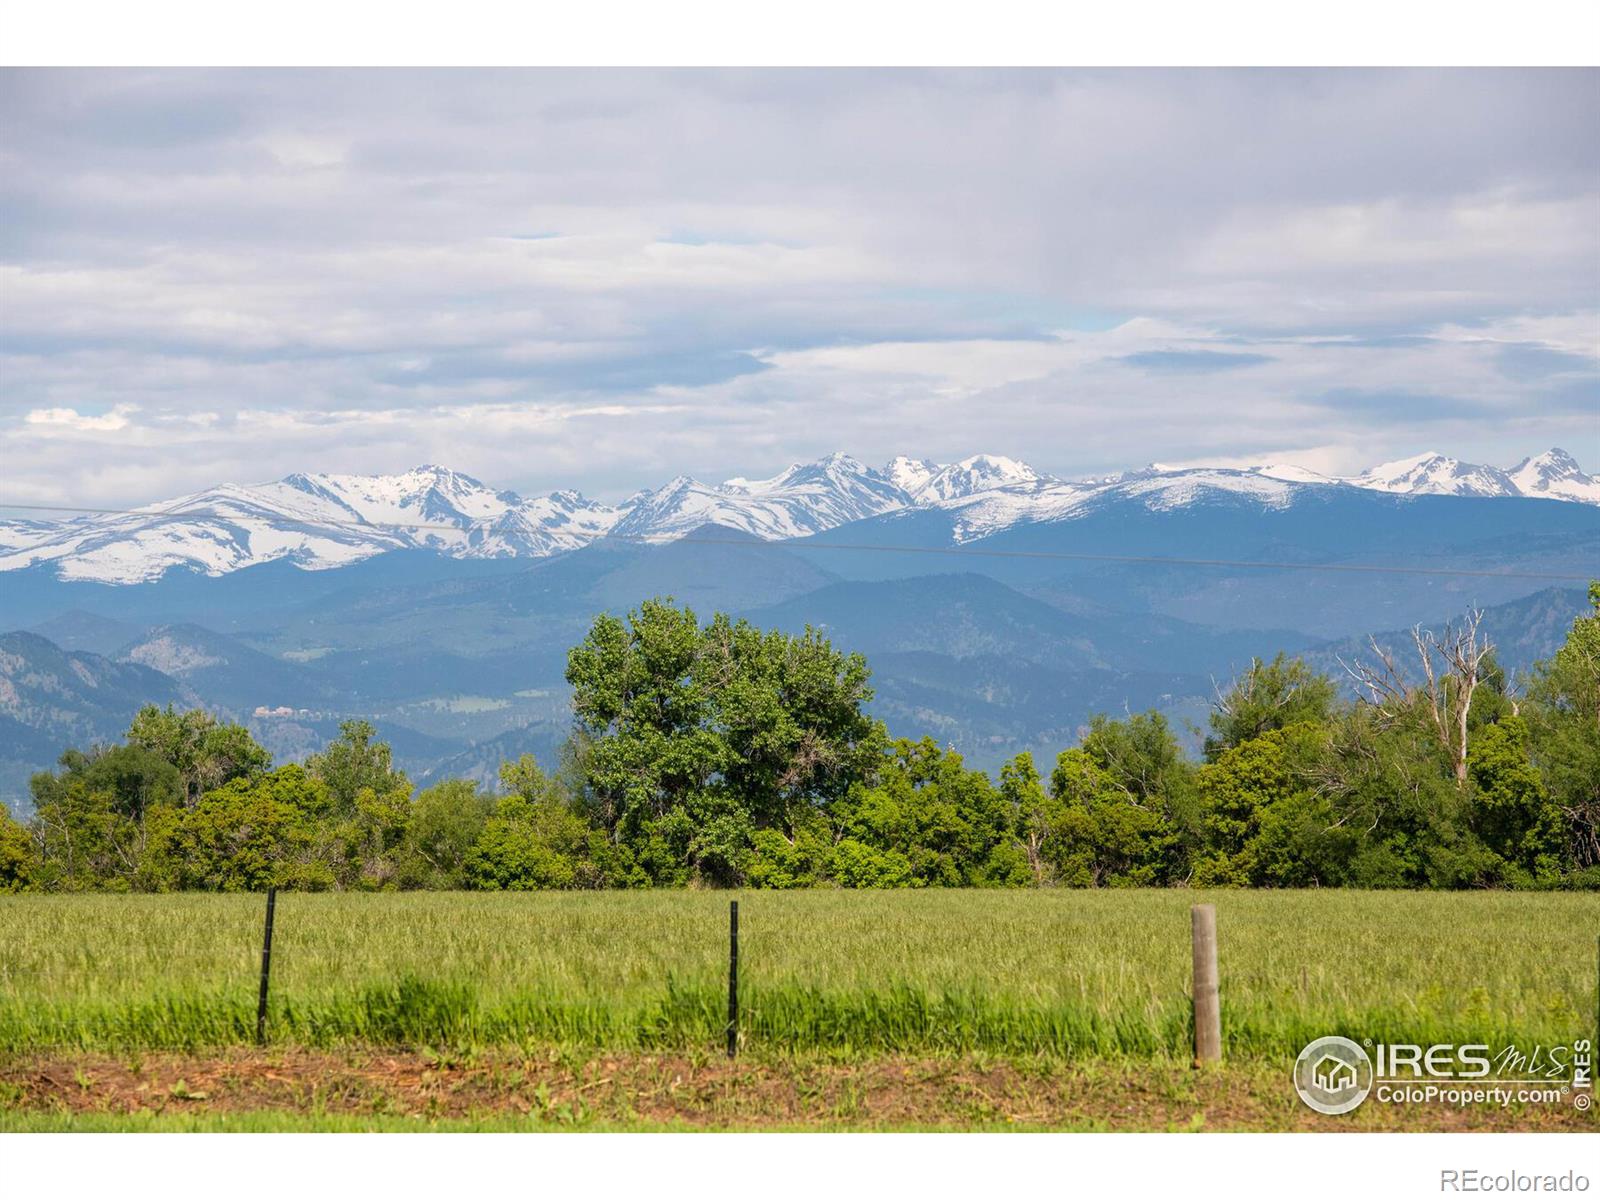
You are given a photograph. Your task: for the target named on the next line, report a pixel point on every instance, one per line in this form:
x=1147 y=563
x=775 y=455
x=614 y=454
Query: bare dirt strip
x=566 y=1090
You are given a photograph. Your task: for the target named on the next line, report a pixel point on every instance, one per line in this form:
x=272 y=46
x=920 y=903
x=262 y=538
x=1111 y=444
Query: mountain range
x=327 y=521
x=999 y=608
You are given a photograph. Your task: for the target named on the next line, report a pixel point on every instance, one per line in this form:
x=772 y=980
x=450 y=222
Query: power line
x=876 y=548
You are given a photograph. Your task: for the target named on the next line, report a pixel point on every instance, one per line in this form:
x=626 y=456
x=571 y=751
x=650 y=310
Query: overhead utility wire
x=962 y=551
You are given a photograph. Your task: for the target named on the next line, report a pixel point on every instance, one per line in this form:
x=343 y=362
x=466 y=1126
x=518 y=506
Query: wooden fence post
x=266 y=969
x=1207 y=1012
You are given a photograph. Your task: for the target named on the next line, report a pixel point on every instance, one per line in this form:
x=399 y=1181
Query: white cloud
x=592 y=278
x=1576 y=333
x=72 y=420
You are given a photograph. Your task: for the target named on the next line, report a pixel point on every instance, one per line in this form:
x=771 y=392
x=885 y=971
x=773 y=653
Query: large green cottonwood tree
x=695 y=737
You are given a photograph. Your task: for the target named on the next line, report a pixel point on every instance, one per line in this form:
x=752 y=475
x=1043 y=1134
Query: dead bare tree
x=1452 y=665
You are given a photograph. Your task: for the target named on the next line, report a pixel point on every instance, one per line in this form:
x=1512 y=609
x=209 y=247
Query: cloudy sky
x=601 y=279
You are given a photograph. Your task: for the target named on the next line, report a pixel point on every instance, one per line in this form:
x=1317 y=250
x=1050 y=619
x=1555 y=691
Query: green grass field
x=1060 y=972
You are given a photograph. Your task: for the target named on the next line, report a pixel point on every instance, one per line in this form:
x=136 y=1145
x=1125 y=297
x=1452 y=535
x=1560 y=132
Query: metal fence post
x=733 y=978
x=266 y=969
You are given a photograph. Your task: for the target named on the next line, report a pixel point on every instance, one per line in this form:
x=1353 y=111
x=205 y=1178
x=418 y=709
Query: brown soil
x=560 y=1089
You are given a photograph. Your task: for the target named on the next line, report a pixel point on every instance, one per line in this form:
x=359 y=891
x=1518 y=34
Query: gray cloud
x=1522 y=361
x=1192 y=360
x=591 y=277
x=1411 y=406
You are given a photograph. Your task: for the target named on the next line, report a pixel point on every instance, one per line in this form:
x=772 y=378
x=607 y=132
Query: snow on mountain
x=549 y=524
x=1555 y=474
x=423 y=494
x=980 y=473
x=16 y=534
x=1178 y=489
x=213 y=532
x=911 y=475
x=316 y=522
x=456 y=514
x=1148 y=471
x=325 y=521
x=813 y=497
x=682 y=504
x=803 y=499
x=1293 y=474
x=840 y=487
x=984 y=513
x=1435 y=475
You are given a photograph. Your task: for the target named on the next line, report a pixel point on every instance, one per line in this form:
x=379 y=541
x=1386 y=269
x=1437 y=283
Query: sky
x=601 y=279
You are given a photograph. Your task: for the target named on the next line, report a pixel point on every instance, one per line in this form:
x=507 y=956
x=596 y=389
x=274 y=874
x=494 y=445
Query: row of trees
x=725 y=755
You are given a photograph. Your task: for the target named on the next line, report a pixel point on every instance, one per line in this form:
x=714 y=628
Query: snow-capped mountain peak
x=1555 y=474
x=980 y=473
x=319 y=521
x=425 y=493
x=910 y=475
x=1148 y=471
x=837 y=470
x=316 y=521
x=1434 y=474
x=1293 y=474
x=802 y=499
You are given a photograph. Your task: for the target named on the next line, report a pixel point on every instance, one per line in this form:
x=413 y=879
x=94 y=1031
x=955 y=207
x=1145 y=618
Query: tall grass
x=1076 y=973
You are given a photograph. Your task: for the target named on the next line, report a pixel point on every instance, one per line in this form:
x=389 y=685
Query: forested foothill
x=720 y=754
